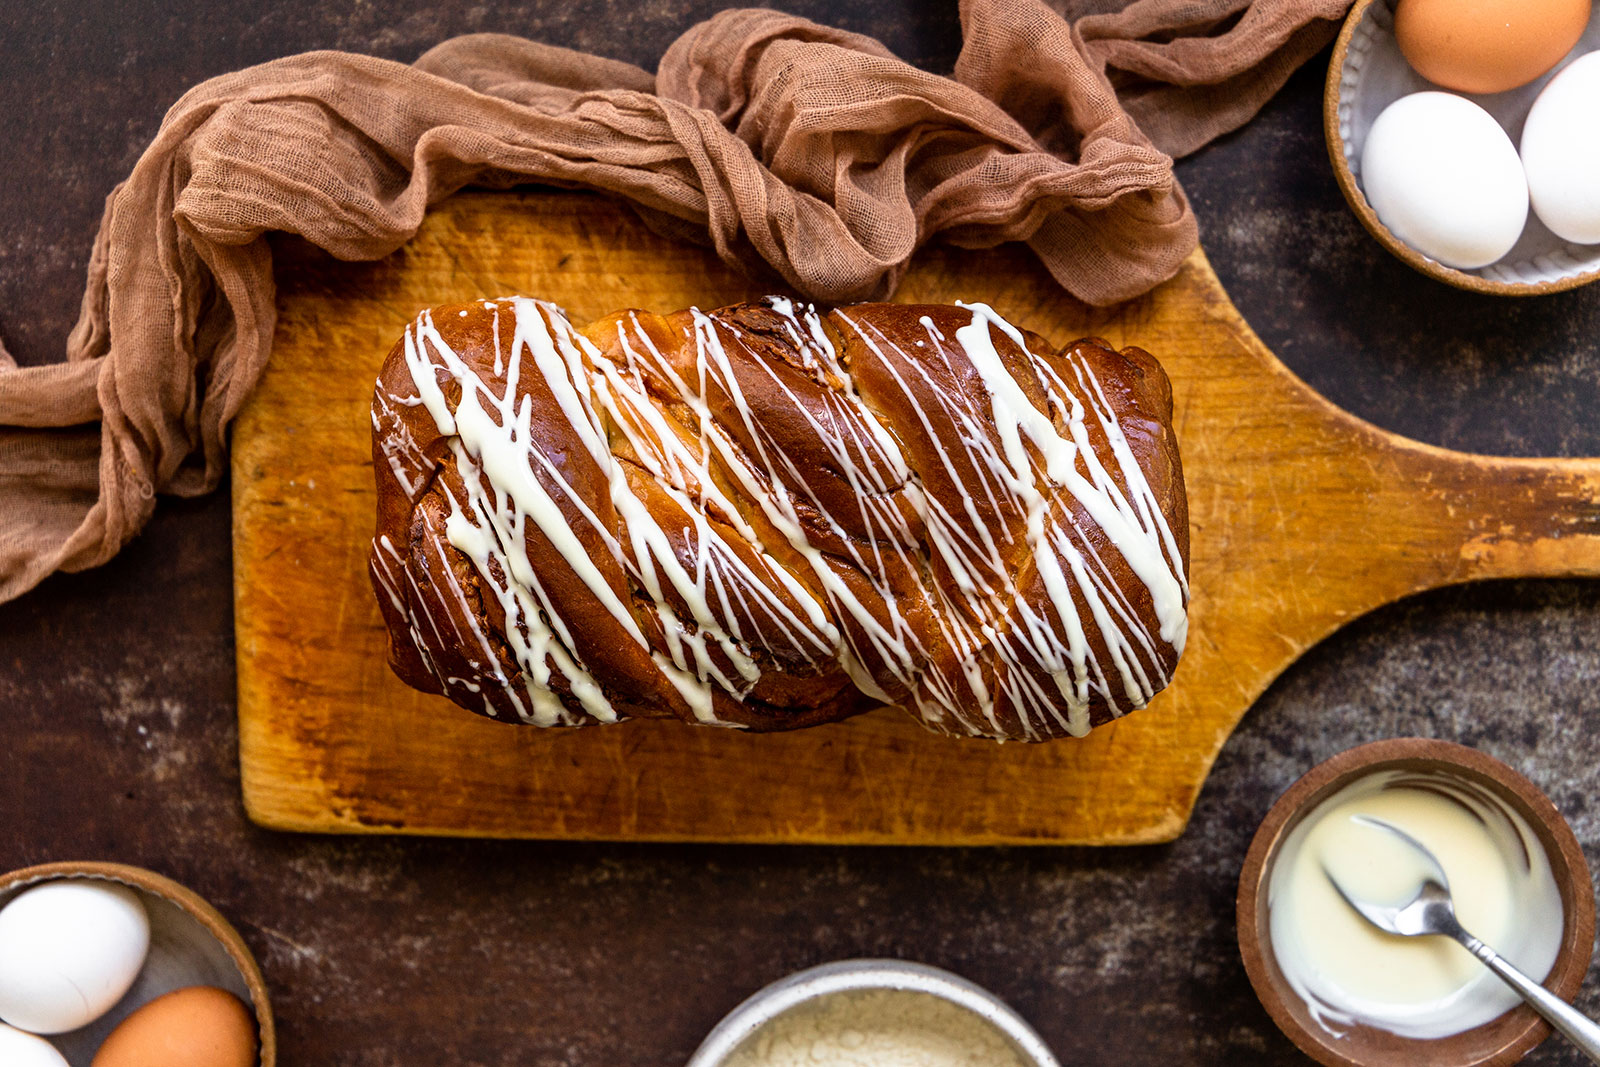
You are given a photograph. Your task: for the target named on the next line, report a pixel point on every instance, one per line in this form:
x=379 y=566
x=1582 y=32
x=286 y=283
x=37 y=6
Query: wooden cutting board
x=1302 y=517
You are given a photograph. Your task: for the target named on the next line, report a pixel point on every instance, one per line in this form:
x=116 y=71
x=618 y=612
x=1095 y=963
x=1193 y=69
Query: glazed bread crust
x=770 y=517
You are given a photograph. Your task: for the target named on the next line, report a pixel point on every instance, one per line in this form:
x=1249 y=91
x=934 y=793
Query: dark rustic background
x=117 y=737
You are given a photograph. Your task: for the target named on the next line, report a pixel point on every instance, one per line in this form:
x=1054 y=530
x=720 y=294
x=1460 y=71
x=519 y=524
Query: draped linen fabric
x=812 y=151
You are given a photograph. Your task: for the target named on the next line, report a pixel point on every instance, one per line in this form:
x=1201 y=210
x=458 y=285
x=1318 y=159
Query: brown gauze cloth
x=778 y=141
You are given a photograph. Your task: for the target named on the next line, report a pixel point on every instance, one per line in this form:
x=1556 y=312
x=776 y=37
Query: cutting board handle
x=1397 y=516
x=1303 y=517
x=1527 y=518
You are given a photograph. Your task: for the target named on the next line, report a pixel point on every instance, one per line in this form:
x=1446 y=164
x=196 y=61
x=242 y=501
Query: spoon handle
x=1576 y=1027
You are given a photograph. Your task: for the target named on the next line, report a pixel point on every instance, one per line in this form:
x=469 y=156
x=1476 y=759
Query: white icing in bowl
x=1346 y=971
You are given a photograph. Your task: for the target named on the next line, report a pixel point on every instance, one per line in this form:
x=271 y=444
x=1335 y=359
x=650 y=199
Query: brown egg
x=1487 y=46
x=195 y=1027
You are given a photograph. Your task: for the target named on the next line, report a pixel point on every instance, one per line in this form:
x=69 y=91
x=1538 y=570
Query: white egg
x=1445 y=179
x=18 y=1049
x=1561 y=152
x=69 y=950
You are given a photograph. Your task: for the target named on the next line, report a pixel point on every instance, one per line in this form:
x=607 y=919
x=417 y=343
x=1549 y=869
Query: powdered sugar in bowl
x=886 y=1012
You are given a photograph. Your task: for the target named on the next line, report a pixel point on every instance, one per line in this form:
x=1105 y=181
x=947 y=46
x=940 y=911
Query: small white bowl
x=855 y=976
x=1366 y=75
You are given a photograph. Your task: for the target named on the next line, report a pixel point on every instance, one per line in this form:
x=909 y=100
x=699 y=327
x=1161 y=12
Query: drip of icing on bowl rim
x=1346 y=970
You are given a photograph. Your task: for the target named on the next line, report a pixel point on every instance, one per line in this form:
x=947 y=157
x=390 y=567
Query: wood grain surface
x=1302 y=518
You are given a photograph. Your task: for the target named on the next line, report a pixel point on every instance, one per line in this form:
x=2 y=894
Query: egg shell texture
x=18 y=1049
x=1445 y=179
x=1561 y=152
x=1487 y=46
x=200 y=1026
x=69 y=950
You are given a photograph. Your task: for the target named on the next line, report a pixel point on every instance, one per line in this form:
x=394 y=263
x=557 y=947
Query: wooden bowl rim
x=186 y=899
x=1567 y=862
x=1369 y=218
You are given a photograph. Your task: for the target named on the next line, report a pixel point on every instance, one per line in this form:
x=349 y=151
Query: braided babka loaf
x=770 y=517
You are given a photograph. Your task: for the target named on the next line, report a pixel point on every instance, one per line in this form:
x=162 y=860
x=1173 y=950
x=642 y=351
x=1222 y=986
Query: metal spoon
x=1432 y=912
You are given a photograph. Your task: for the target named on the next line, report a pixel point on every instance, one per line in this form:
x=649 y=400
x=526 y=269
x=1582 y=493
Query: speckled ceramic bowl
x=1503 y=1040
x=1366 y=75
x=857 y=976
x=190 y=944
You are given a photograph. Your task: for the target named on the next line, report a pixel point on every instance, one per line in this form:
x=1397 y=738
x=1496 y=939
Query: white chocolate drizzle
x=914 y=594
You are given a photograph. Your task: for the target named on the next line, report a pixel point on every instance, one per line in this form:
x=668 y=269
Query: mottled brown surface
x=116 y=687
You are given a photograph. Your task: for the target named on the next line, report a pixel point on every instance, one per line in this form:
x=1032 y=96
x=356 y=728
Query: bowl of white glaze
x=1503 y=1039
x=1366 y=75
x=857 y=1003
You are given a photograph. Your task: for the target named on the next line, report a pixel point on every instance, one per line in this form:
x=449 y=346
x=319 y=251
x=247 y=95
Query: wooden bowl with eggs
x=189 y=944
x=1368 y=72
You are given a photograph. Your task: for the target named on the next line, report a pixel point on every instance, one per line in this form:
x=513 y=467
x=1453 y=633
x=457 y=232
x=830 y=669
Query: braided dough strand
x=770 y=517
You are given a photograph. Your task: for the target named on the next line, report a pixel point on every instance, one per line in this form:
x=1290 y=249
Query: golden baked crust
x=768 y=517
